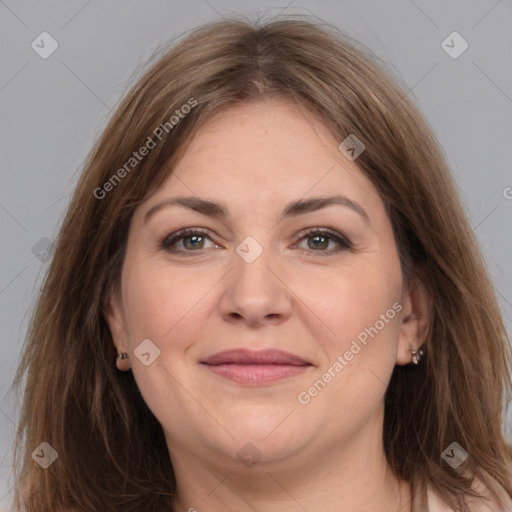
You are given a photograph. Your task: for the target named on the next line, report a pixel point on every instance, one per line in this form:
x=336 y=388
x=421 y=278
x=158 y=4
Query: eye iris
x=195 y=238
x=317 y=238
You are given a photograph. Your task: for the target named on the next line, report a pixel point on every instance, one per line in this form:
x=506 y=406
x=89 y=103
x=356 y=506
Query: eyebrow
x=293 y=209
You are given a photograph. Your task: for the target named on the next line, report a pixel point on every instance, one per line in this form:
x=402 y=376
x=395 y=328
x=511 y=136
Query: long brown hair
x=112 y=454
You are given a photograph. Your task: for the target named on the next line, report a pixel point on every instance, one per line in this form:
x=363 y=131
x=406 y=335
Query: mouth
x=255 y=368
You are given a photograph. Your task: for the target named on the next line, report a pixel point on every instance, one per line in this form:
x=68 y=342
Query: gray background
x=52 y=109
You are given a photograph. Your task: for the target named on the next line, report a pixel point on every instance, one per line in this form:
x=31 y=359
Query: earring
x=416 y=356
x=122 y=362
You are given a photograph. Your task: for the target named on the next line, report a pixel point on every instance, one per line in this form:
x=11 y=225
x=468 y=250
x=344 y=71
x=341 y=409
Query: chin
x=272 y=442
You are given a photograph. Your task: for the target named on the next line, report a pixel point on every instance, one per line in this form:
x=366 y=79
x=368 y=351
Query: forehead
x=265 y=153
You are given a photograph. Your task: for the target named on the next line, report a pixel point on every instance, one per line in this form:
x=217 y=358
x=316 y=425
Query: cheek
x=358 y=309
x=358 y=357
x=160 y=301
x=163 y=306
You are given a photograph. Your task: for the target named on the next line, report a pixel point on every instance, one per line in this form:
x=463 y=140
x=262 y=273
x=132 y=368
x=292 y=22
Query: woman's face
x=253 y=278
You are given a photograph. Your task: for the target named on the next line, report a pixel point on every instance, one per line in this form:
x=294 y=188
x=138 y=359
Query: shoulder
x=436 y=504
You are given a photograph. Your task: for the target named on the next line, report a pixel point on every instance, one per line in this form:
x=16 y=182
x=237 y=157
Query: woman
x=265 y=296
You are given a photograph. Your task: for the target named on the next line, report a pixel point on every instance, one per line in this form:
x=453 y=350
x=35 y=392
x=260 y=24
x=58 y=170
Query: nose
x=255 y=292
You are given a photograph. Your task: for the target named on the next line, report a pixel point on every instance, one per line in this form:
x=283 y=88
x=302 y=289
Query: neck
x=352 y=476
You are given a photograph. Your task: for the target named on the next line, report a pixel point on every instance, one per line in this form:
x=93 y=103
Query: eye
x=192 y=238
x=320 y=239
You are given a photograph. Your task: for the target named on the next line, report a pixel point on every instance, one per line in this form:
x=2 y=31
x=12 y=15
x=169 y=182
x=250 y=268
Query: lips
x=262 y=357
x=255 y=368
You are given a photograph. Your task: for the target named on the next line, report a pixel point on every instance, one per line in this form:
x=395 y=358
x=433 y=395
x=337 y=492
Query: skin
x=328 y=454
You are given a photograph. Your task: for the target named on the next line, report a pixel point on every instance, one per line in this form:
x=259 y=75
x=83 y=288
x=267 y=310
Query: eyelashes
x=328 y=234
x=320 y=236
x=168 y=242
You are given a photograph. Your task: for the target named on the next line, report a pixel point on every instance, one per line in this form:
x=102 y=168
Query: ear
x=115 y=320
x=416 y=318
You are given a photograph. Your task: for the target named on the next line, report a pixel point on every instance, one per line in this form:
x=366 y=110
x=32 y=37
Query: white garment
x=435 y=504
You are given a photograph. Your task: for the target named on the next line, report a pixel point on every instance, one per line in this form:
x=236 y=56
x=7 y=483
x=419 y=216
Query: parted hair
x=112 y=454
